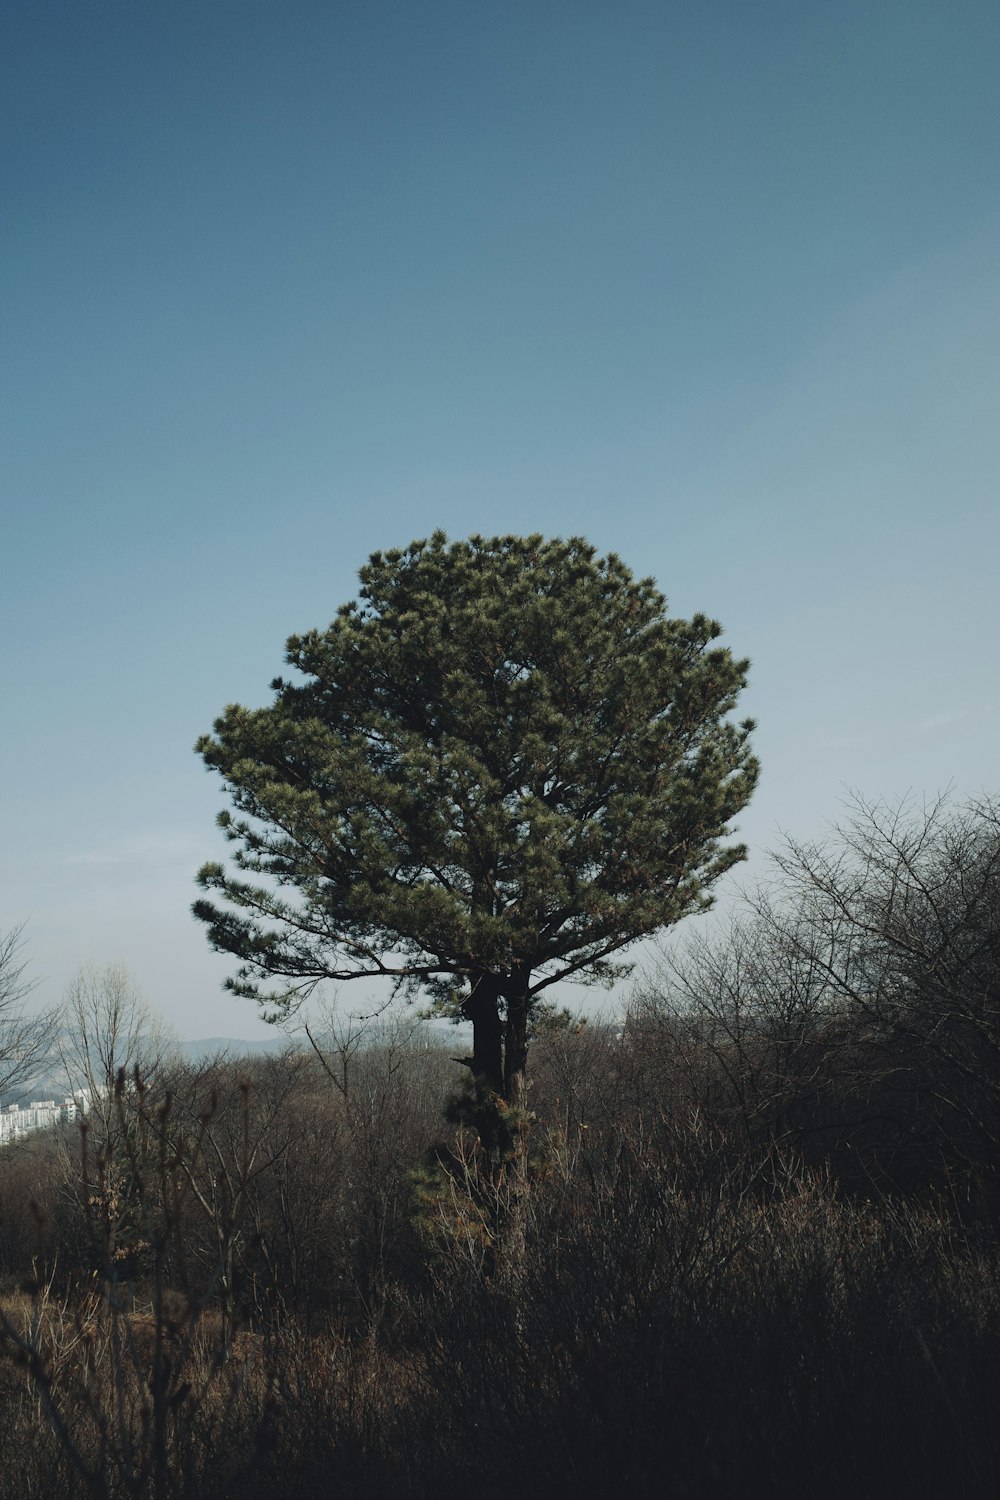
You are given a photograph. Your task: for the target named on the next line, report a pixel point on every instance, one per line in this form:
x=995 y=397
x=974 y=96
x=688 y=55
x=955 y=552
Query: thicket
x=744 y=1243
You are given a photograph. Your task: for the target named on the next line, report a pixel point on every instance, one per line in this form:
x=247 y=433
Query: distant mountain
x=233 y=1046
x=51 y=1081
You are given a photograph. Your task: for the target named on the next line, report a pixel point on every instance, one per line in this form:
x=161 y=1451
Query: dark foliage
x=499 y=768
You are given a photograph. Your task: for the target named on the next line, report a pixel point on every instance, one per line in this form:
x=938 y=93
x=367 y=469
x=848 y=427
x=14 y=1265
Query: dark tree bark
x=483 y=1009
x=515 y=1079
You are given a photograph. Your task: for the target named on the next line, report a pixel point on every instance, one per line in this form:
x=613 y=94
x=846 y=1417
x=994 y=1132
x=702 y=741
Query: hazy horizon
x=717 y=287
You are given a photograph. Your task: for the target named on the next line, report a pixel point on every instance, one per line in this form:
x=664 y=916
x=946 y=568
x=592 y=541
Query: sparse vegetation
x=743 y=1243
x=724 y=1256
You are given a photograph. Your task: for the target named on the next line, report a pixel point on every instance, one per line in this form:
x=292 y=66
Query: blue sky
x=716 y=285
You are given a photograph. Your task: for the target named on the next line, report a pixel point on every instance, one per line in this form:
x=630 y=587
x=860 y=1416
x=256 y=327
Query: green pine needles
x=498 y=768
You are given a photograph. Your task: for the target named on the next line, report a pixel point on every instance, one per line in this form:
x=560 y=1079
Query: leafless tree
x=747 y=1018
x=904 y=904
x=109 y=1029
x=857 y=997
x=26 y=1036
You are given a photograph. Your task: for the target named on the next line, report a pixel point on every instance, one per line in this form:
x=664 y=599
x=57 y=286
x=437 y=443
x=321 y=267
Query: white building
x=18 y=1120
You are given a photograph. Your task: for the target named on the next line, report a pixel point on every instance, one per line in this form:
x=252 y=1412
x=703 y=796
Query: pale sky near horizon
x=715 y=285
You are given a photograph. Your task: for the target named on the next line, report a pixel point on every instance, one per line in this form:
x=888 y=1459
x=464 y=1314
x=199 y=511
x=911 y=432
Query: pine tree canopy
x=500 y=766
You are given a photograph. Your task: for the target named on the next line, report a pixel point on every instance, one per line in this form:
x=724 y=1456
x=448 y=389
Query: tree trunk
x=483 y=1010
x=515 y=1080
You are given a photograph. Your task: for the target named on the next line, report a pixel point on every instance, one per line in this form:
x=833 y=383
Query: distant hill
x=437 y=1032
x=51 y=1081
x=233 y=1046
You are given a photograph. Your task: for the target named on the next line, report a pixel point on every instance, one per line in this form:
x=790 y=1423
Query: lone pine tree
x=497 y=769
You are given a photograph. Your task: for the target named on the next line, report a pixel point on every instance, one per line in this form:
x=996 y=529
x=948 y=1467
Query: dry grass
x=638 y=1305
